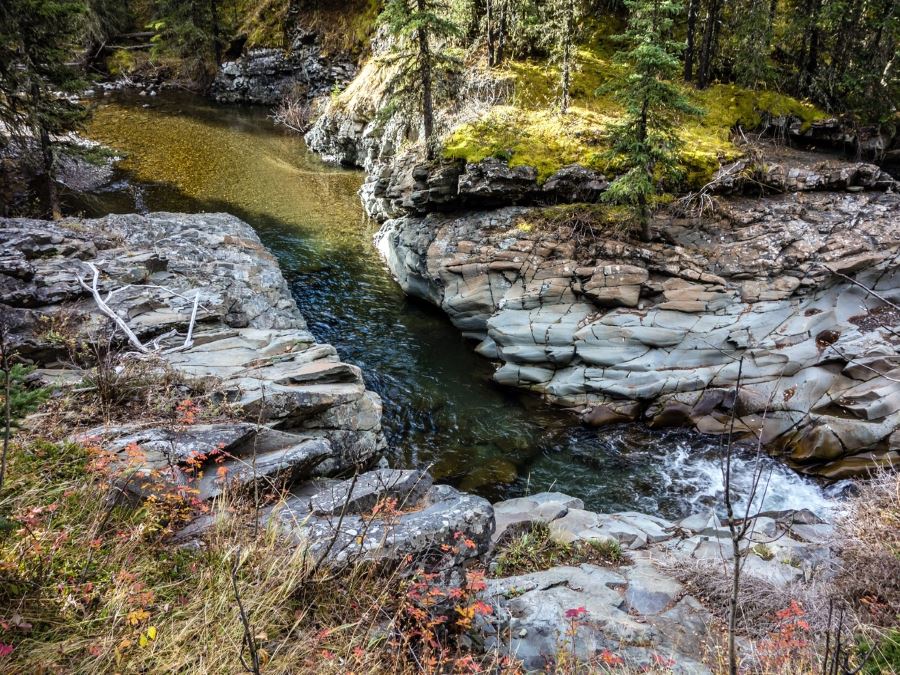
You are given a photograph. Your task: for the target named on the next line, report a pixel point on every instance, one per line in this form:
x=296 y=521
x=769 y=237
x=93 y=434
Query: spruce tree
x=645 y=139
x=565 y=15
x=38 y=41
x=419 y=29
x=752 y=38
x=190 y=30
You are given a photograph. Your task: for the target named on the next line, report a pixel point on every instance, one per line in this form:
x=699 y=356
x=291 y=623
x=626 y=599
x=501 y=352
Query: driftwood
x=103 y=306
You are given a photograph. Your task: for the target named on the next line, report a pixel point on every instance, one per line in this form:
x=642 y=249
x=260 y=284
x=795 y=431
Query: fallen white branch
x=106 y=309
x=189 y=340
x=154 y=346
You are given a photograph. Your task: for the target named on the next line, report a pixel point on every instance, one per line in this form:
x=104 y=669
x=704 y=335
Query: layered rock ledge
x=791 y=295
x=250 y=344
x=267 y=76
x=297 y=417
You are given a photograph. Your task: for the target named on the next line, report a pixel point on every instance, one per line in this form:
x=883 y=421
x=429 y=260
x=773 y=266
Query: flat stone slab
x=362 y=494
x=442 y=529
x=513 y=515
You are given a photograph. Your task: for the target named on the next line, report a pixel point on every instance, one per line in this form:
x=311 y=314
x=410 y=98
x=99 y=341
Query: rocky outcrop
x=306 y=415
x=769 y=292
x=638 y=614
x=250 y=346
x=871 y=141
x=388 y=516
x=786 y=170
x=266 y=76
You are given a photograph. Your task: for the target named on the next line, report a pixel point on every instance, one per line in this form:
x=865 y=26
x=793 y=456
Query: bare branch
x=106 y=309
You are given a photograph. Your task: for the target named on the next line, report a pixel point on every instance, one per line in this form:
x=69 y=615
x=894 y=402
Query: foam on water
x=700 y=478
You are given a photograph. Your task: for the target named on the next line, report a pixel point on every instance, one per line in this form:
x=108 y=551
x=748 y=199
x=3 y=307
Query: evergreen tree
x=751 y=37
x=190 y=30
x=709 y=43
x=418 y=29
x=691 y=30
x=645 y=139
x=38 y=41
x=565 y=15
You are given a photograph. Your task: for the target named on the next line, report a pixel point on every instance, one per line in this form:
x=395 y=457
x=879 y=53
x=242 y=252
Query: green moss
x=264 y=25
x=539 y=138
x=530 y=132
x=120 y=62
x=727 y=106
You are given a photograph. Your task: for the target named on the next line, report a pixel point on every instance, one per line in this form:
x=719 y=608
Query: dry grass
x=535 y=550
x=863 y=594
x=296 y=111
x=91 y=583
x=869 y=550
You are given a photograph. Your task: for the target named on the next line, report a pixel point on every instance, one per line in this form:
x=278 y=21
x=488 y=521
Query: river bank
x=243 y=403
x=770 y=278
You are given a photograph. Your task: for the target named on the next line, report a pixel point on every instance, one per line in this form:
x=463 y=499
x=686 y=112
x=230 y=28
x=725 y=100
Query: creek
x=441 y=409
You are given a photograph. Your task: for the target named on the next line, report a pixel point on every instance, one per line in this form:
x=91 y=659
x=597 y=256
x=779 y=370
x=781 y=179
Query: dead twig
x=249 y=640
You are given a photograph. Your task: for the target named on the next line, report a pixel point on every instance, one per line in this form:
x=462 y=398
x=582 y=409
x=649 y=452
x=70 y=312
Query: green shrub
x=120 y=62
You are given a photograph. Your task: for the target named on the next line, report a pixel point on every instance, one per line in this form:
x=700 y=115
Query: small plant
x=789 y=644
x=763 y=551
x=609 y=550
x=120 y=62
x=536 y=550
x=17 y=399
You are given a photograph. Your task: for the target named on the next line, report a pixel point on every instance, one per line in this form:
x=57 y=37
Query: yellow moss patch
x=539 y=138
x=264 y=25
x=530 y=132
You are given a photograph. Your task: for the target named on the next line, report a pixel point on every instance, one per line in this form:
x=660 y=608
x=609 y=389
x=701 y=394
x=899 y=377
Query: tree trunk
x=643 y=208
x=47 y=157
x=568 y=29
x=489 y=18
x=217 y=43
x=810 y=63
x=706 y=53
x=501 y=33
x=43 y=137
x=425 y=75
x=689 y=47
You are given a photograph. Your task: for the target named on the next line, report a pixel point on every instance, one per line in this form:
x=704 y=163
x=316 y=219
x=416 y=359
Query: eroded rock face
x=799 y=172
x=768 y=291
x=265 y=76
x=250 y=343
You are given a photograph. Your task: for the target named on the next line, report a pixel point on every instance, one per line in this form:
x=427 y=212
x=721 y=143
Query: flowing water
x=441 y=409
